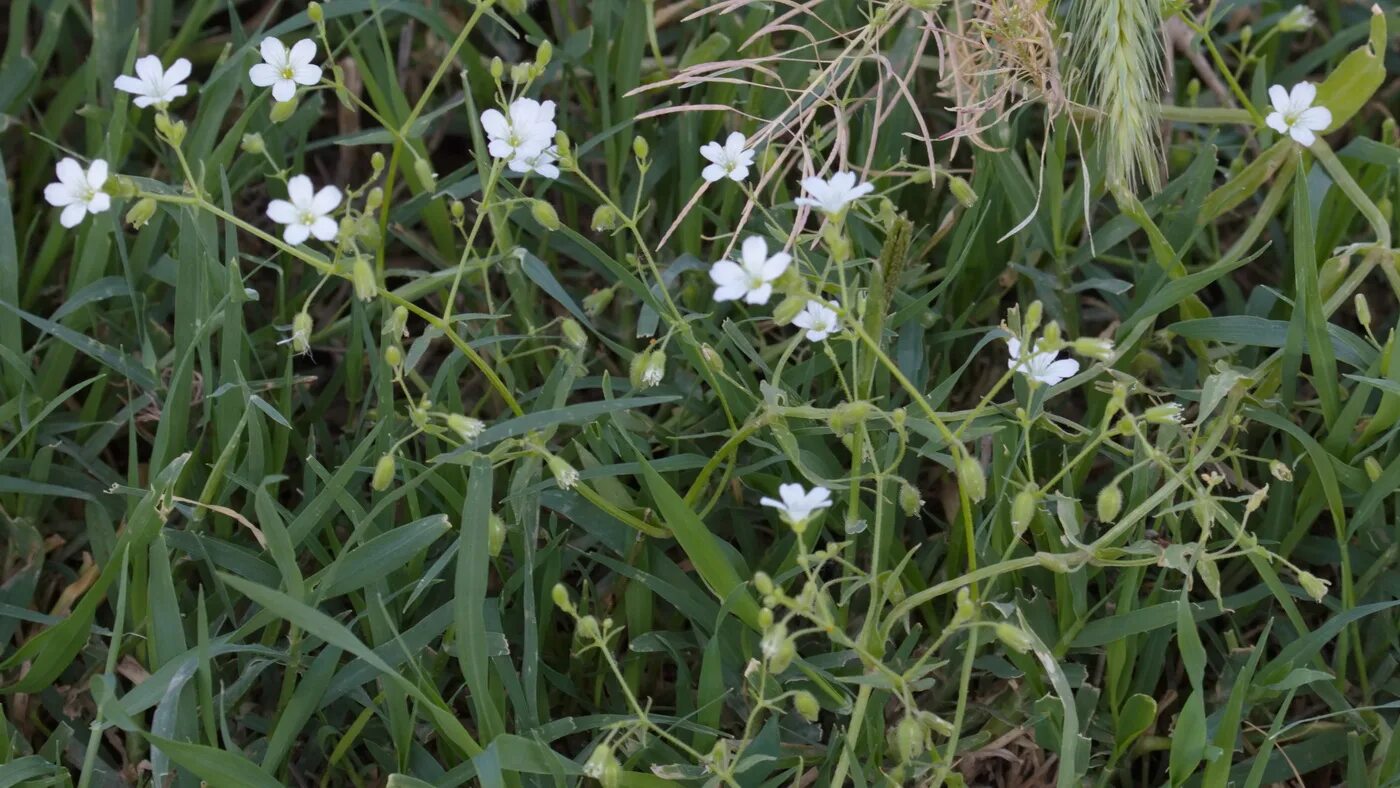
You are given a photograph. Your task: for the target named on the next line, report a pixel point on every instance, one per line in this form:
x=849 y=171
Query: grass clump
x=518 y=394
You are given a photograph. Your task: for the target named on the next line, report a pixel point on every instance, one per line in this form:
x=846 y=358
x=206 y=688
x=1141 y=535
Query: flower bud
x=545 y=214
x=497 y=68
x=253 y=143
x=1281 y=472
x=765 y=618
x=1372 y=467
x=970 y=476
x=762 y=583
x=962 y=191
x=561 y=145
x=424 y=170
x=1169 y=413
x=909 y=738
x=640 y=148
x=712 y=358
x=396 y=325
x=495 y=534
x=595 y=302
x=301 y=332
x=560 y=595
x=910 y=501
x=362 y=277
x=393 y=356
x=1022 y=511
x=788 y=309
x=383 y=473
x=1110 y=503
x=1033 y=317
x=564 y=474
x=376 y=161
x=544 y=54
x=466 y=427
x=282 y=110
x=520 y=72
x=1093 y=347
x=805 y=704
x=965 y=610
x=1257 y=499
x=1013 y=637
x=587 y=628
x=844 y=417
x=458 y=210
x=1313 y=585
x=1363 y=310
x=604 y=219
x=141 y=212
x=1050 y=339
x=574 y=334
x=314 y=12
x=777 y=648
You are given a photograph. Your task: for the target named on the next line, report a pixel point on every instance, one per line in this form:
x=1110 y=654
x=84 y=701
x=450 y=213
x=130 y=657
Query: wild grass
x=491 y=489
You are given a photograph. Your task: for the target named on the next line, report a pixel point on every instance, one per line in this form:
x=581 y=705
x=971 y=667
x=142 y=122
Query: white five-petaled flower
x=78 y=192
x=522 y=135
x=283 y=69
x=1294 y=113
x=819 y=319
x=798 y=504
x=752 y=277
x=1040 y=366
x=154 y=84
x=305 y=212
x=831 y=196
x=729 y=160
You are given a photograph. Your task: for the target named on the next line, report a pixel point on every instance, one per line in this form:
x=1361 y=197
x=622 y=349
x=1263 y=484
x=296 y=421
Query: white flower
x=524 y=132
x=78 y=192
x=832 y=196
x=154 y=84
x=729 y=160
x=1042 y=367
x=819 y=319
x=305 y=212
x=752 y=277
x=541 y=163
x=1294 y=113
x=797 y=504
x=283 y=69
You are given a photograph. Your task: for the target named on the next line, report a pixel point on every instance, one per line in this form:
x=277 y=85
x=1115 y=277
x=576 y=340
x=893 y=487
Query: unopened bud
x=805 y=704
x=458 y=209
x=545 y=214
x=520 y=73
x=712 y=358
x=604 y=219
x=376 y=161
x=1363 y=310
x=424 y=170
x=1372 y=467
x=970 y=477
x=363 y=279
x=965 y=610
x=595 y=302
x=253 y=143
x=910 y=502
x=762 y=583
x=1033 y=317
x=301 y=332
x=497 y=68
x=640 y=148
x=560 y=595
x=846 y=416
x=1298 y=19
x=574 y=334
x=544 y=54
x=1093 y=347
x=282 y=110
x=765 y=618
x=1013 y=636
x=587 y=628
x=495 y=534
x=383 y=473
x=909 y=738
x=141 y=212
x=962 y=191
x=396 y=325
x=1022 y=511
x=1110 y=503
x=393 y=356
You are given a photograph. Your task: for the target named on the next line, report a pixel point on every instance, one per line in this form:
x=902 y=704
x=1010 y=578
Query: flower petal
x=739 y=173
x=99 y=202
x=302 y=52
x=759 y=295
x=326 y=200
x=128 y=84
x=284 y=90
x=274 y=53
x=282 y=212
x=296 y=234
x=73 y=215
x=178 y=72
x=70 y=173
x=300 y=192
x=1278 y=96
x=97 y=173
x=726 y=272
x=754 y=252
x=262 y=75
x=58 y=195
x=1302 y=136
x=495 y=124
x=1064 y=368
x=1316 y=118
x=306 y=74
x=148 y=69
x=712 y=152
x=325 y=228
x=713 y=172
x=774 y=266
x=1302 y=96
x=1276 y=122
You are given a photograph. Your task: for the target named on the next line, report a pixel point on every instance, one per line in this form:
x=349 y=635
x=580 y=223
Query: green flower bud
x=1093 y=347
x=544 y=54
x=172 y=131
x=762 y=583
x=604 y=219
x=909 y=738
x=910 y=502
x=253 y=143
x=376 y=162
x=560 y=595
x=282 y=110
x=962 y=191
x=788 y=308
x=383 y=473
x=970 y=476
x=640 y=148
x=765 y=618
x=458 y=209
x=1050 y=338
x=574 y=334
x=777 y=648
x=966 y=609
x=520 y=73
x=1013 y=636
x=1170 y=413
x=1313 y=585
x=712 y=358
x=1373 y=468
x=561 y=145
x=564 y=474
x=545 y=214
x=595 y=302
x=424 y=170
x=497 y=68
x=314 y=12
x=396 y=325
x=301 y=332
x=393 y=356
x=141 y=212
x=495 y=535
x=587 y=628
x=466 y=427
x=1363 y=310
x=806 y=705
x=1110 y=503
x=1022 y=511
x=845 y=417
x=1033 y=317
x=362 y=277
x=1282 y=472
